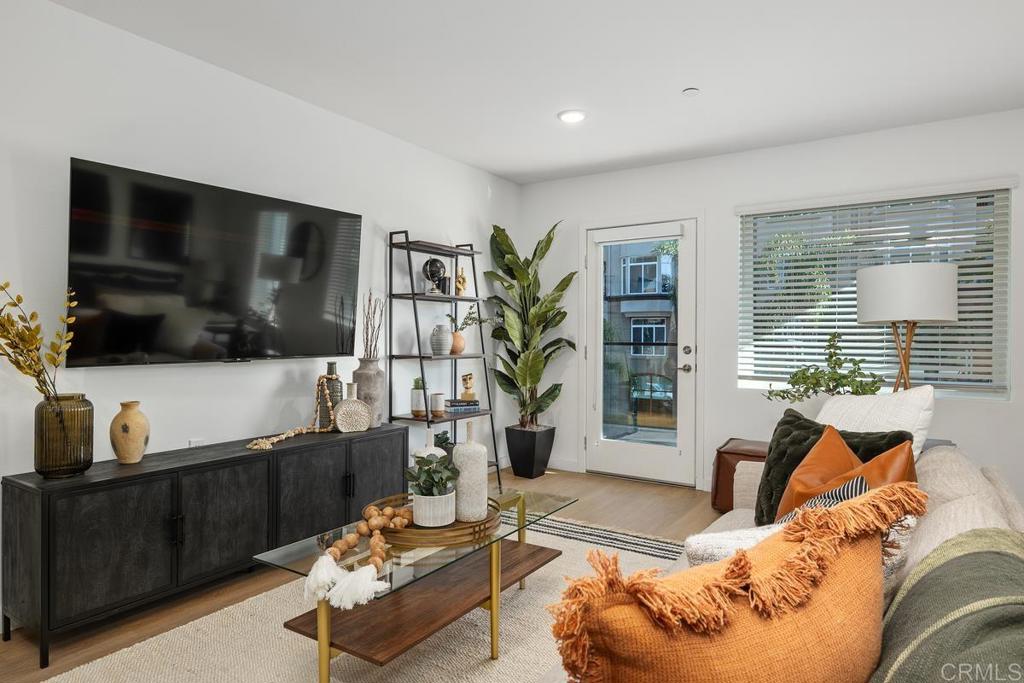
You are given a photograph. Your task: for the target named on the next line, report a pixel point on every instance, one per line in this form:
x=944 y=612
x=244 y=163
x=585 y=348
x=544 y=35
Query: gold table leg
x=521 y=516
x=495 y=595
x=323 y=640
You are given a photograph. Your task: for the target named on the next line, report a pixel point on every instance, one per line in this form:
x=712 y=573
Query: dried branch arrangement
x=373 y=321
x=22 y=342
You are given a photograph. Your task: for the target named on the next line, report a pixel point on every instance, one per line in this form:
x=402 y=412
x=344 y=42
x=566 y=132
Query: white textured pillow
x=910 y=410
x=718 y=545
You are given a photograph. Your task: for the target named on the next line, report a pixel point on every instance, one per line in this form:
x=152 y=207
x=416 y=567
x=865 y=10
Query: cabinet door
x=225 y=517
x=311 y=491
x=376 y=465
x=110 y=546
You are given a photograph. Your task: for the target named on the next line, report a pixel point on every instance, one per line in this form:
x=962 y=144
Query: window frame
x=978 y=241
x=641 y=324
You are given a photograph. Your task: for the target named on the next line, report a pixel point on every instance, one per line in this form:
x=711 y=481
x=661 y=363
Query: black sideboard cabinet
x=82 y=549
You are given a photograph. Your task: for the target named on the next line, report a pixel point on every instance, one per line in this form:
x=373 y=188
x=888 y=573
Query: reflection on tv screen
x=172 y=271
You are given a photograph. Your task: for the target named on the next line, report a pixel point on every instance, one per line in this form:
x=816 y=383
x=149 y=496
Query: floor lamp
x=906 y=294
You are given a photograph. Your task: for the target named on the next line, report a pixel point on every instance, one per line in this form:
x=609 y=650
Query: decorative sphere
x=434 y=269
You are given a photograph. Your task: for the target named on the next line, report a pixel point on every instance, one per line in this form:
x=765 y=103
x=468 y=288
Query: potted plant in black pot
x=523 y=322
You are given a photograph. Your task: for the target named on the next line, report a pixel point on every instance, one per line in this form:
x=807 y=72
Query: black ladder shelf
x=456 y=252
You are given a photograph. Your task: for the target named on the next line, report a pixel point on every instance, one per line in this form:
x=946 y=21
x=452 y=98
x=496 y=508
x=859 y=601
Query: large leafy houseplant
x=834 y=378
x=524 y=319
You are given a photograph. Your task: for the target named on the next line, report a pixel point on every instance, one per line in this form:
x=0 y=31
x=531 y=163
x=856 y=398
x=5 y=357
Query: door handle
x=686 y=368
x=177 y=523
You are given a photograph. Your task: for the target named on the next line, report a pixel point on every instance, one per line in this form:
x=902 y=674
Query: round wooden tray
x=459 y=533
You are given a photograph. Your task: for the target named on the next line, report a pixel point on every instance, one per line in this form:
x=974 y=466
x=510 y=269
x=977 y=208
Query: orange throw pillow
x=831 y=463
x=802 y=606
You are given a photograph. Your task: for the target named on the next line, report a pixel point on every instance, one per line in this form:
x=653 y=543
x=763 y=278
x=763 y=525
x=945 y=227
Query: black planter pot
x=529 y=449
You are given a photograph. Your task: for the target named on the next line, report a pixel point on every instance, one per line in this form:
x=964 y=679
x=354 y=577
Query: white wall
x=71 y=86
x=990 y=429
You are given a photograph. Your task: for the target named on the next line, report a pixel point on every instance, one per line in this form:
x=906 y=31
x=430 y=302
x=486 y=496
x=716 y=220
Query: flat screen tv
x=172 y=271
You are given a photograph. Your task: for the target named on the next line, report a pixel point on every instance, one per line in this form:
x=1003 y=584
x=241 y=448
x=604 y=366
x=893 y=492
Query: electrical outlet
x=192 y=443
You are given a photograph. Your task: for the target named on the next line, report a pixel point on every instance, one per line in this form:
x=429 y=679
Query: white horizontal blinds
x=798 y=285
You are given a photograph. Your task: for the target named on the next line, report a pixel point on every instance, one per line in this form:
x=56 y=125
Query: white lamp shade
x=922 y=292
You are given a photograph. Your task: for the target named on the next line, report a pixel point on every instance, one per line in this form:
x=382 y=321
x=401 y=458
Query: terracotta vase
x=458 y=343
x=129 y=433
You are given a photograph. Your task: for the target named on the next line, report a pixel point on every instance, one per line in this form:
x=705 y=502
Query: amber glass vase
x=63 y=436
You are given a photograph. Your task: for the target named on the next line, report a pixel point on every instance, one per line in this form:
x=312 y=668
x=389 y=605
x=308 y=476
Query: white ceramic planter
x=433 y=511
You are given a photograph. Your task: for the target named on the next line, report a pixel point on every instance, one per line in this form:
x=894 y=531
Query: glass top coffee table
x=430 y=586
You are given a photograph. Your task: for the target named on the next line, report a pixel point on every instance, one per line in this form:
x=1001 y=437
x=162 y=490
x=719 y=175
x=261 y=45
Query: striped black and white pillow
x=857 y=486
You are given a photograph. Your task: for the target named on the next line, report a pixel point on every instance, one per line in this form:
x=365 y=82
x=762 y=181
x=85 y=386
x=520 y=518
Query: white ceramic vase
x=471 y=486
x=417 y=404
x=433 y=511
x=441 y=340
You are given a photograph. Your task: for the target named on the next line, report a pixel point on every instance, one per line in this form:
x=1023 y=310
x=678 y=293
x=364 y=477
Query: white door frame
x=696 y=218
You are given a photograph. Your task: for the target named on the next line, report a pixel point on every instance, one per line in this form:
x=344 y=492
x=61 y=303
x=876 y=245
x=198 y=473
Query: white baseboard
x=566 y=464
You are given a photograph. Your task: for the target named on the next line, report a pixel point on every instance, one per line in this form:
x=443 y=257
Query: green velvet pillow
x=794 y=437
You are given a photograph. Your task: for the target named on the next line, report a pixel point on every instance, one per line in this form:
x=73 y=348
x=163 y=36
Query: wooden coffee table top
x=386 y=627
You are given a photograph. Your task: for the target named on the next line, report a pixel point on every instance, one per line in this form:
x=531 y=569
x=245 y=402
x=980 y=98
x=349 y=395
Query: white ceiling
x=481 y=80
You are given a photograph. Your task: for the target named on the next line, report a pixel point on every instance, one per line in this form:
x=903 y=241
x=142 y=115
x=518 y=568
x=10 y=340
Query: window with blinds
x=798 y=284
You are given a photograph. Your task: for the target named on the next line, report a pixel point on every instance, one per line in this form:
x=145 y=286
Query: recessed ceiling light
x=572 y=115
x=691 y=92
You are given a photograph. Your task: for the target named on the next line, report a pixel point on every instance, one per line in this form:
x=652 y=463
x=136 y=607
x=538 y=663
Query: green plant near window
x=840 y=375
x=433 y=475
x=523 y=317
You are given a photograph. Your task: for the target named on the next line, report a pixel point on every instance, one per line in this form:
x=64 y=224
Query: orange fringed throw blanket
x=694 y=625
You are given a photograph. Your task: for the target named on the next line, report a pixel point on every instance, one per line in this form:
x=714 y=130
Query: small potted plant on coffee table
x=432 y=482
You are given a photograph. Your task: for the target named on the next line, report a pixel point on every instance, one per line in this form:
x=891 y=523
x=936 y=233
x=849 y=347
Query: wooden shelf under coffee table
x=430 y=587
x=386 y=627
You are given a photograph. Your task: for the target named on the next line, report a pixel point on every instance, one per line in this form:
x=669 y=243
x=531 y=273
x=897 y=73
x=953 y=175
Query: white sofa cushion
x=946 y=474
x=910 y=410
x=1011 y=506
x=943 y=522
x=705 y=548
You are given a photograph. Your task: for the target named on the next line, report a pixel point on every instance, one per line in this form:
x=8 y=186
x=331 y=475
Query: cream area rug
x=247 y=642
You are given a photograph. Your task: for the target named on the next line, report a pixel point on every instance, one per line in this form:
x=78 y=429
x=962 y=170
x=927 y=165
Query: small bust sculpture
x=467 y=384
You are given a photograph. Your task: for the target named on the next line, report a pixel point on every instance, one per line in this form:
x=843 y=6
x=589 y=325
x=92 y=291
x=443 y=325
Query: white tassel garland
x=344 y=589
x=358 y=588
x=324 y=573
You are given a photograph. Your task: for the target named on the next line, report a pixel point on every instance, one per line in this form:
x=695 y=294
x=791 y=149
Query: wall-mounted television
x=173 y=271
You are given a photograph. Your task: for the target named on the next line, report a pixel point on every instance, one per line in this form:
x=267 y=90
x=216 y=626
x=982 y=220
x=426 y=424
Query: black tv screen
x=172 y=271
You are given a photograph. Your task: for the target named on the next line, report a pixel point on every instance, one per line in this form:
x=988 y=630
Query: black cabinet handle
x=181 y=529
x=350 y=484
x=177 y=529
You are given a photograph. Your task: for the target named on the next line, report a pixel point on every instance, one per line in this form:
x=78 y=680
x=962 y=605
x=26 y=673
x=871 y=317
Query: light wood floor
x=653 y=509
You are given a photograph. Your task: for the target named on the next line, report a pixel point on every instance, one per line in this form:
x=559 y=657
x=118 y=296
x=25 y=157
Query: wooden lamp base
x=903 y=345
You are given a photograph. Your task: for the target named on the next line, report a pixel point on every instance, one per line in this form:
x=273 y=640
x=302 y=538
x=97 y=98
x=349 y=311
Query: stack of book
x=458 y=405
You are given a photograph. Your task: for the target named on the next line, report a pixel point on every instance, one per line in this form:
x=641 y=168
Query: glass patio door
x=640 y=351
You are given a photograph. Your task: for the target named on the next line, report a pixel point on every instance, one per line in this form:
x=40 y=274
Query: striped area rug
x=604 y=537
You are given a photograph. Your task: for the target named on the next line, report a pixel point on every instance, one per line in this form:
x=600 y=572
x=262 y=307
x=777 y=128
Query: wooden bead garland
x=321 y=393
